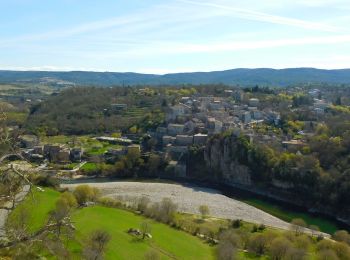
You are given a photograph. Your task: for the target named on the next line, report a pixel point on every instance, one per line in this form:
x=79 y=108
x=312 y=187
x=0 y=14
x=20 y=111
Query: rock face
x=219 y=157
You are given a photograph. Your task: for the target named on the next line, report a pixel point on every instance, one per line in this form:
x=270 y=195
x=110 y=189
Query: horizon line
x=155 y=73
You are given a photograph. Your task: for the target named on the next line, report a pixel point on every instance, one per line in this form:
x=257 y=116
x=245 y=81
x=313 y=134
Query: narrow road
x=4 y=212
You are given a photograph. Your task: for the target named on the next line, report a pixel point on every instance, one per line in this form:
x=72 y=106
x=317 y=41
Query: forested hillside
x=94 y=110
x=243 y=77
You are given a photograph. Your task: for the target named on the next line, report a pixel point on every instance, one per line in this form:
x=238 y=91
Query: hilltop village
x=189 y=122
x=289 y=145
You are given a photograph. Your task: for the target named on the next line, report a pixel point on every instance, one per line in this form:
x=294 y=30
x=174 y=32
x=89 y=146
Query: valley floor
x=189 y=198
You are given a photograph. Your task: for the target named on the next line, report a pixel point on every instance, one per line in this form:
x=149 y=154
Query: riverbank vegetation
x=288 y=215
x=119 y=225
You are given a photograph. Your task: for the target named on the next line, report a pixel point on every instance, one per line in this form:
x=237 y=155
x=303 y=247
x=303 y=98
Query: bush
x=295 y=253
x=226 y=251
x=303 y=242
x=237 y=223
x=230 y=241
x=143 y=204
x=327 y=254
x=279 y=248
x=166 y=211
x=298 y=225
x=45 y=181
x=342 y=250
x=69 y=199
x=342 y=236
x=85 y=193
x=261 y=227
x=204 y=210
x=258 y=244
x=255 y=229
x=95 y=245
x=109 y=202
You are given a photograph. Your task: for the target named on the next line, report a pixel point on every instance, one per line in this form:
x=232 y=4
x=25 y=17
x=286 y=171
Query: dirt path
x=4 y=212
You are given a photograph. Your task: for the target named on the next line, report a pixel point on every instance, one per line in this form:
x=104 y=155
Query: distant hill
x=243 y=77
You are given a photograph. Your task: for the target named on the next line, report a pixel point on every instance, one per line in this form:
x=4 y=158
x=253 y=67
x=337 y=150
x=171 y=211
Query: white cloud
x=265 y=17
x=178 y=48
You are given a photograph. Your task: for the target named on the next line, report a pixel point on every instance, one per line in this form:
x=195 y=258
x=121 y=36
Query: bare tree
x=298 y=225
x=204 y=210
x=145 y=228
x=95 y=245
x=226 y=251
x=167 y=210
x=314 y=230
x=279 y=248
x=143 y=204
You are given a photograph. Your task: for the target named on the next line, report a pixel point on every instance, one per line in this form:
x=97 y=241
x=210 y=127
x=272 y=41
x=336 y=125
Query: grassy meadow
x=169 y=242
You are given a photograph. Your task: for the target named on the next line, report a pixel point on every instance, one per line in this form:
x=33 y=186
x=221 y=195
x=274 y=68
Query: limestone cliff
x=219 y=156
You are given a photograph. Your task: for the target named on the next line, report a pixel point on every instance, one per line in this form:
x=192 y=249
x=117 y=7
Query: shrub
x=261 y=227
x=95 y=245
x=109 y=202
x=342 y=236
x=143 y=204
x=85 y=193
x=298 y=225
x=279 y=248
x=254 y=229
x=327 y=254
x=167 y=210
x=45 y=181
x=204 y=210
x=237 y=223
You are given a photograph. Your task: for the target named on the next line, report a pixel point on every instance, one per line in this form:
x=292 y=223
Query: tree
x=258 y=244
x=327 y=254
x=21 y=240
x=167 y=210
x=85 y=193
x=342 y=236
x=96 y=244
x=204 y=210
x=226 y=251
x=145 y=228
x=279 y=248
x=230 y=241
x=296 y=254
x=17 y=227
x=143 y=204
x=303 y=242
x=342 y=250
x=314 y=230
x=298 y=225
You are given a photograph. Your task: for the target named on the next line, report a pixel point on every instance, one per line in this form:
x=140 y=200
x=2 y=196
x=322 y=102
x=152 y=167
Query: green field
x=39 y=205
x=169 y=242
x=91 y=146
x=288 y=215
x=89 y=167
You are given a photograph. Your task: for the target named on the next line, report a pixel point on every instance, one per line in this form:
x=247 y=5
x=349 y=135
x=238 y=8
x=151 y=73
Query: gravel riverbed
x=189 y=198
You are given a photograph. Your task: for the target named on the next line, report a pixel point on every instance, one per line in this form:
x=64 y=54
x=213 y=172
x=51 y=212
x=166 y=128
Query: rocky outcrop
x=219 y=156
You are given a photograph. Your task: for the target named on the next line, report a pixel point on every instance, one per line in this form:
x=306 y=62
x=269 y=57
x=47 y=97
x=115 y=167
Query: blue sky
x=153 y=36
